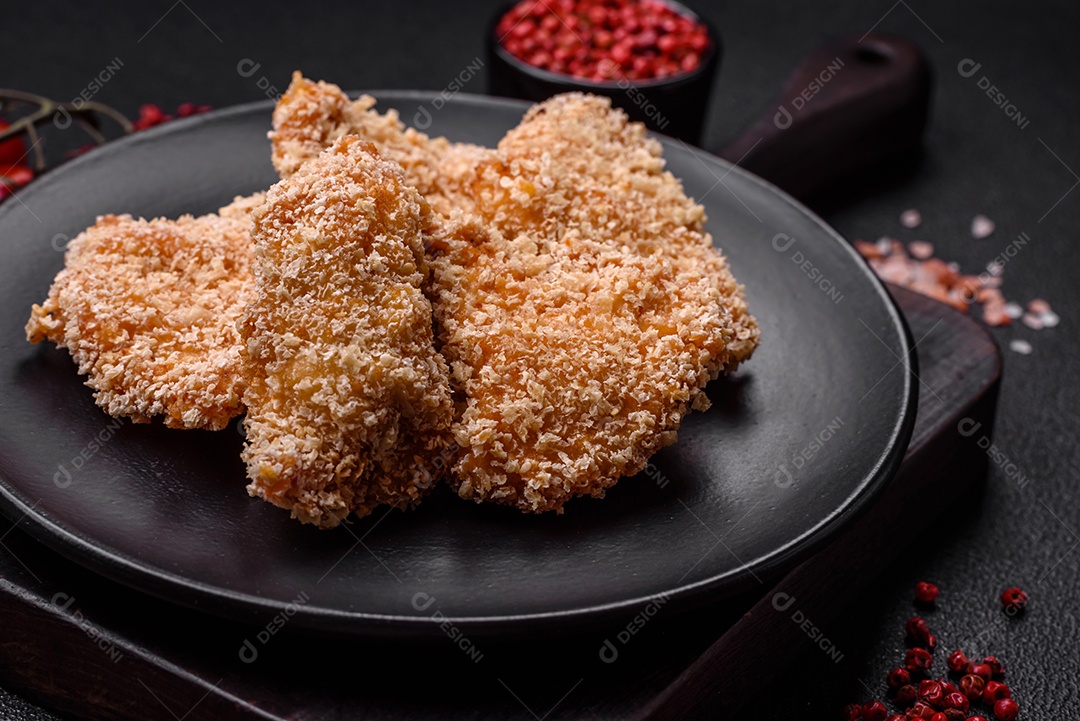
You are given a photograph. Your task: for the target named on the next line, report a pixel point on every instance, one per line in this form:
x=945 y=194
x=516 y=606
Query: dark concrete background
x=977 y=160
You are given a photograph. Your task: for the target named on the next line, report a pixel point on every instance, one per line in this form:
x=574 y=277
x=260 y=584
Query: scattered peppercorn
x=1006 y=709
x=980 y=669
x=996 y=667
x=917 y=660
x=851 y=712
x=957 y=701
x=918 y=632
x=925 y=592
x=920 y=710
x=972 y=686
x=906 y=695
x=994 y=692
x=897 y=677
x=930 y=692
x=874 y=711
x=957 y=661
x=1013 y=600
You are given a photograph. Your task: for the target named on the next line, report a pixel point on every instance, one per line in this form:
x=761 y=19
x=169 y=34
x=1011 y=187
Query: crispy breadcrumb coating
x=148 y=310
x=349 y=403
x=312 y=115
x=583 y=309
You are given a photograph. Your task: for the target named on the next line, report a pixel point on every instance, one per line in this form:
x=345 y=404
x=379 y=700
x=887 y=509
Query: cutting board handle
x=851 y=104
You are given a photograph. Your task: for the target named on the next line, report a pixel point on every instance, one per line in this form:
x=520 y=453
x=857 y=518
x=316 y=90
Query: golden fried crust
x=575 y=166
x=148 y=310
x=583 y=309
x=312 y=115
x=349 y=403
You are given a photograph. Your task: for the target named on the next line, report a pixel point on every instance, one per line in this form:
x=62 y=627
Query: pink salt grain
x=981 y=227
x=1020 y=346
x=1032 y=321
x=911 y=218
x=921 y=249
x=1038 y=305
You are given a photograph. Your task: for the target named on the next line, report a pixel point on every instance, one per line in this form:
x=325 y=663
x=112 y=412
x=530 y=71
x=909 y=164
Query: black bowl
x=673 y=105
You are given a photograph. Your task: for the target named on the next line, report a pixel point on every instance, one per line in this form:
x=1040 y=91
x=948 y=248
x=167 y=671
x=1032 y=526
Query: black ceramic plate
x=795 y=445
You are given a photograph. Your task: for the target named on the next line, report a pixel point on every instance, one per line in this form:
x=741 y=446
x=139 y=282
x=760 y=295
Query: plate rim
x=225 y=602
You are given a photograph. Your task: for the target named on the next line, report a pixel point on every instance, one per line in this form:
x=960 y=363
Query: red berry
x=897 y=677
x=851 y=712
x=920 y=710
x=930 y=692
x=1013 y=600
x=874 y=711
x=917 y=660
x=906 y=695
x=981 y=669
x=939 y=717
x=1006 y=709
x=972 y=686
x=149 y=116
x=994 y=692
x=957 y=661
x=925 y=592
x=15 y=175
x=957 y=701
x=996 y=667
x=896 y=717
x=976 y=718
x=918 y=632
x=12 y=150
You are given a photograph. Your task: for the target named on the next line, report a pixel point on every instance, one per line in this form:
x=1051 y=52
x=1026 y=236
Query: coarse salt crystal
x=1038 y=305
x=1049 y=319
x=1032 y=321
x=911 y=218
x=1013 y=310
x=981 y=227
x=1020 y=346
x=921 y=249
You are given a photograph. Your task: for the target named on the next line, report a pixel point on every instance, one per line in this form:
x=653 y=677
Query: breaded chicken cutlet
x=348 y=402
x=148 y=311
x=582 y=307
x=312 y=115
